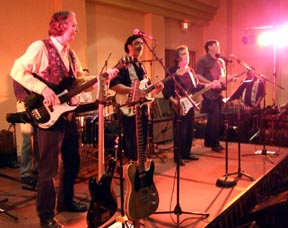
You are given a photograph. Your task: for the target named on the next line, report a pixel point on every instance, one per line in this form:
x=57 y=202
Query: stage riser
x=240 y=213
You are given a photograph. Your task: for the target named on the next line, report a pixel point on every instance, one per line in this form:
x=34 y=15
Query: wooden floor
x=198 y=192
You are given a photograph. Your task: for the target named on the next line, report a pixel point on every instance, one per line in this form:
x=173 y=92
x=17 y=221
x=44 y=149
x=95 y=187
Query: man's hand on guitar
x=215 y=84
x=50 y=98
x=112 y=73
x=159 y=86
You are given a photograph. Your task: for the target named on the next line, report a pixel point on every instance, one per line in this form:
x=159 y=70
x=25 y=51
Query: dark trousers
x=183 y=132
x=60 y=139
x=213 y=109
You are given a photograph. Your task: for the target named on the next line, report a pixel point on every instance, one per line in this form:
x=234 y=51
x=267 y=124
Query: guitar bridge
x=36 y=114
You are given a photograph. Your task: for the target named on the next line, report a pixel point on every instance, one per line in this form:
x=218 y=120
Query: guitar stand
x=118 y=156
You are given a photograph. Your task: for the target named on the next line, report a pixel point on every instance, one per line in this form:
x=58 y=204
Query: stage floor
x=198 y=192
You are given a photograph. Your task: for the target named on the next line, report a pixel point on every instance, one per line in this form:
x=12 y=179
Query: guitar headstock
x=124 y=62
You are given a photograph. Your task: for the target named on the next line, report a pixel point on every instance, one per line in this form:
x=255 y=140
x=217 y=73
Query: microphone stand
x=225 y=180
x=262 y=131
x=177 y=210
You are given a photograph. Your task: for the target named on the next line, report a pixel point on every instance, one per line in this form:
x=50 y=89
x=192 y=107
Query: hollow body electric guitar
x=46 y=116
x=141 y=199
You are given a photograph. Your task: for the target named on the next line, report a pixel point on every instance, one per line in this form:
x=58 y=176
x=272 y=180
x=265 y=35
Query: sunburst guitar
x=141 y=198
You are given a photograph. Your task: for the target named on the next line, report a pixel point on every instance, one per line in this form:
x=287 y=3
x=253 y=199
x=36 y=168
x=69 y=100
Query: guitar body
x=46 y=116
x=103 y=203
x=141 y=199
x=123 y=100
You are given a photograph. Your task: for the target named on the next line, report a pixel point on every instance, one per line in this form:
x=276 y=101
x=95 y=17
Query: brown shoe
x=50 y=223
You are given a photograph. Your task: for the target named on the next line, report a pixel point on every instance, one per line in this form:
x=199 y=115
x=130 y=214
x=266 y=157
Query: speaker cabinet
x=8 y=152
x=162 y=130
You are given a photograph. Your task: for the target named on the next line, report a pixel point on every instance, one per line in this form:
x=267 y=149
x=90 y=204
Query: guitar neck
x=150 y=88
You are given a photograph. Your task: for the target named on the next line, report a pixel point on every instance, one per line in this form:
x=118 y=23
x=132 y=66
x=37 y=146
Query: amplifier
x=8 y=151
x=162 y=130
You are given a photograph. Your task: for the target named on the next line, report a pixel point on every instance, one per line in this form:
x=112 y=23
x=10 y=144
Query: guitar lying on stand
x=103 y=203
x=141 y=199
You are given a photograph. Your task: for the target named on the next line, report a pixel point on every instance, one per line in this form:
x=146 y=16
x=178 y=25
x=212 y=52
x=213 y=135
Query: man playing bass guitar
x=57 y=68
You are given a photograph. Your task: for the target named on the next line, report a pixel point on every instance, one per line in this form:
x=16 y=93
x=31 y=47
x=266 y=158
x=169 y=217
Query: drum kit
x=87 y=123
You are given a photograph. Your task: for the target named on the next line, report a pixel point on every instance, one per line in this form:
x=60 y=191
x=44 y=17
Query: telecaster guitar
x=46 y=116
x=123 y=100
x=141 y=199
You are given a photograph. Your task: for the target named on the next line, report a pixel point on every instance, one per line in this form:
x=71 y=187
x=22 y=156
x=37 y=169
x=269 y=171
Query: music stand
x=264 y=151
x=237 y=95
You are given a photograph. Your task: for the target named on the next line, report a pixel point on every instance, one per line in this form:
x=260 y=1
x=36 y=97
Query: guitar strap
x=193 y=79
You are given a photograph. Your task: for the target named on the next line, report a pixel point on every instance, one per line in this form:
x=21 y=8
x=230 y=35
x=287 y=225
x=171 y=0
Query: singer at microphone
x=227 y=60
x=143 y=34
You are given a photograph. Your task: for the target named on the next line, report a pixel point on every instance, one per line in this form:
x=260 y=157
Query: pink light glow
x=277 y=37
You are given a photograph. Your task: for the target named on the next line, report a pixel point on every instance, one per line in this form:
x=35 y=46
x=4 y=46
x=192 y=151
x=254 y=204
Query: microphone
x=140 y=33
x=223 y=57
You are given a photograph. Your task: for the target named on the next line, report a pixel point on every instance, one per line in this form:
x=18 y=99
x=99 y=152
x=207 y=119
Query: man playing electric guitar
x=209 y=68
x=188 y=80
x=122 y=84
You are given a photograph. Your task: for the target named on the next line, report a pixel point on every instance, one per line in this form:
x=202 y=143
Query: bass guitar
x=103 y=203
x=141 y=199
x=46 y=116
